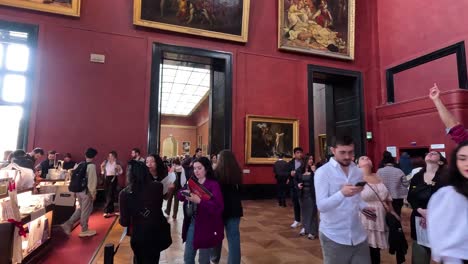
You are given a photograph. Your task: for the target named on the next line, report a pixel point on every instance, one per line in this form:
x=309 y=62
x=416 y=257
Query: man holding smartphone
x=338 y=185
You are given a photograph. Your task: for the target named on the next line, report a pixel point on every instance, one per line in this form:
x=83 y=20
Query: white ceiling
x=183 y=88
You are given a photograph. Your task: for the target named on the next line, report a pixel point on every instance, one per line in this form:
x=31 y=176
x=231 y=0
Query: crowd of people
x=360 y=206
x=352 y=207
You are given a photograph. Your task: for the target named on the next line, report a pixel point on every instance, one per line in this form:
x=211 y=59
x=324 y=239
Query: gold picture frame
x=211 y=19
x=269 y=137
x=49 y=6
x=319 y=27
x=322 y=144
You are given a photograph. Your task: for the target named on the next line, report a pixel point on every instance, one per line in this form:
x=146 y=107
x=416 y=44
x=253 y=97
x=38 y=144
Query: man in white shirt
x=342 y=236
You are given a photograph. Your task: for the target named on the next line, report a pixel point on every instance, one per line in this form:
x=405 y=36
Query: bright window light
x=10 y=115
x=183 y=88
x=17 y=57
x=14 y=88
x=1 y=55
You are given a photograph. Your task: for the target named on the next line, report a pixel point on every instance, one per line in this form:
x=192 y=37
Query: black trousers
x=375 y=255
x=282 y=188
x=110 y=186
x=297 y=206
x=397 y=205
x=145 y=255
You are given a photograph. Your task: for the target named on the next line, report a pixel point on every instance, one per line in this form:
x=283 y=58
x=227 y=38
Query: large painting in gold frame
x=266 y=138
x=320 y=27
x=62 y=7
x=223 y=19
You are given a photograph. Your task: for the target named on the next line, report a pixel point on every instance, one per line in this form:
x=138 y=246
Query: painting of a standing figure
x=269 y=138
x=322 y=27
x=226 y=19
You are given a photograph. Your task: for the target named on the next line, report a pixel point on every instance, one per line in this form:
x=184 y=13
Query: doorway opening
x=335 y=109
x=190 y=101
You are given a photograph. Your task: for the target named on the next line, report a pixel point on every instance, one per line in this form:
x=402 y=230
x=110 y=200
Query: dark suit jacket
x=45 y=166
x=281 y=170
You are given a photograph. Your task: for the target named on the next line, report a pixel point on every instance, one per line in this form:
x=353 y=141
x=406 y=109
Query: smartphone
x=186 y=194
x=360 y=184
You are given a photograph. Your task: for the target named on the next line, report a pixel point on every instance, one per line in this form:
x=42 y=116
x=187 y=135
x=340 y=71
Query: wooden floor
x=266 y=237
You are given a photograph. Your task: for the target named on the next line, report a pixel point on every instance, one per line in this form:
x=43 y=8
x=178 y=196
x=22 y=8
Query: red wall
x=409 y=29
x=106 y=105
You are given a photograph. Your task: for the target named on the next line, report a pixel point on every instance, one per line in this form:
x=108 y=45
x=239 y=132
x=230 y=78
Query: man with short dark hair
x=85 y=199
x=188 y=162
x=136 y=155
x=47 y=164
x=282 y=172
x=342 y=236
x=19 y=157
x=294 y=165
x=68 y=163
x=35 y=155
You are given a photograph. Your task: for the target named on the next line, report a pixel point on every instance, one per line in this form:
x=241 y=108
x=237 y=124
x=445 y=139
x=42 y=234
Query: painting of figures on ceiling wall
x=225 y=19
x=63 y=7
x=321 y=27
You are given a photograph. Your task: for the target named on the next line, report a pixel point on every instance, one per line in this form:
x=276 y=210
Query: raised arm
x=447 y=118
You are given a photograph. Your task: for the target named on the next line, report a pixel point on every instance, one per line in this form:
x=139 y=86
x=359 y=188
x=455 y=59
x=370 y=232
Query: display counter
x=25 y=227
x=27 y=216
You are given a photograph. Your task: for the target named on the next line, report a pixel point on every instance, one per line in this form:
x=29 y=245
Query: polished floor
x=265 y=234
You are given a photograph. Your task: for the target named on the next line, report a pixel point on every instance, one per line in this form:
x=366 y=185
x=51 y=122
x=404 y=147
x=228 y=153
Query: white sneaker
x=87 y=233
x=66 y=229
x=295 y=224
x=311 y=237
x=302 y=233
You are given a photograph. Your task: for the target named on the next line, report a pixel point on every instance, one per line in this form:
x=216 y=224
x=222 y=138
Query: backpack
x=79 y=181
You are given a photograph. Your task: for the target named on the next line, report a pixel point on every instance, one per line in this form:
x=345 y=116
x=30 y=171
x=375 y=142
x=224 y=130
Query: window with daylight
x=17 y=42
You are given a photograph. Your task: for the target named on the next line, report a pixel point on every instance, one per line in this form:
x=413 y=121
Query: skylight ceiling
x=183 y=88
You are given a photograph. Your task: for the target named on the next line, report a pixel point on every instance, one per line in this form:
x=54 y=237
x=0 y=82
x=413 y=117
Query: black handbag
x=164 y=237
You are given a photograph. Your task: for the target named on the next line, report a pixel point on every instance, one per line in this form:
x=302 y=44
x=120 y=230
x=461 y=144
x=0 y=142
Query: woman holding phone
x=203 y=227
x=376 y=195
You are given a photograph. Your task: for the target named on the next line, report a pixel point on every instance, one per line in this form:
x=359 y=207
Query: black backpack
x=79 y=181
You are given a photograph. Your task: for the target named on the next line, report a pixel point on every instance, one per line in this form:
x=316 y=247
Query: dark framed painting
x=268 y=138
x=62 y=7
x=322 y=144
x=186 y=147
x=223 y=19
x=320 y=27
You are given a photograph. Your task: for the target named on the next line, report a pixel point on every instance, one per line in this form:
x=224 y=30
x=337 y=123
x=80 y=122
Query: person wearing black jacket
x=282 y=172
x=187 y=164
x=304 y=180
x=295 y=164
x=423 y=185
x=35 y=155
x=47 y=164
x=229 y=174
x=140 y=210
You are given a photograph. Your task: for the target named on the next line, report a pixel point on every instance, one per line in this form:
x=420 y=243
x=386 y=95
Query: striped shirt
x=395 y=181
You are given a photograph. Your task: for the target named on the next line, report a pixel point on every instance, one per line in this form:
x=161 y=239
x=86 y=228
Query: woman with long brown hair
x=447 y=213
x=423 y=185
x=229 y=174
x=304 y=180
